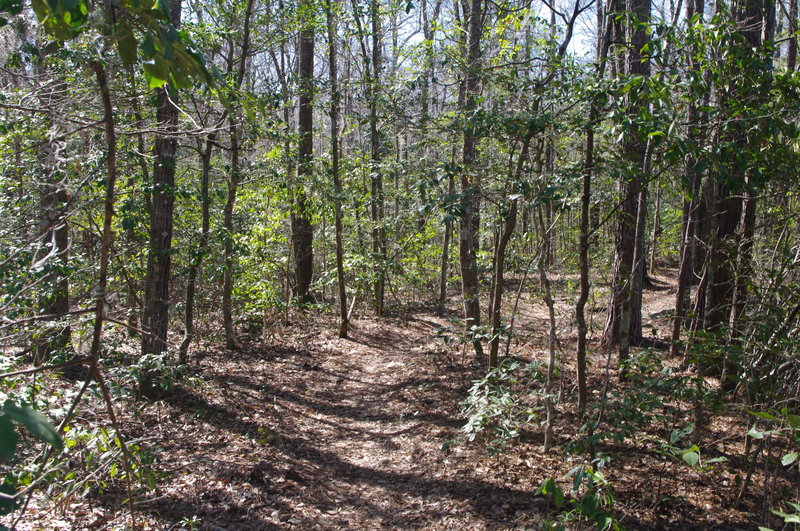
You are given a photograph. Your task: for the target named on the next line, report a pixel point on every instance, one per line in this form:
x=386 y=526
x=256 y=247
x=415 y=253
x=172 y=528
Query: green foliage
x=191 y=522
x=651 y=399
x=12 y=416
x=690 y=455
x=781 y=424
x=500 y=404
x=96 y=462
x=590 y=499
x=140 y=28
x=158 y=369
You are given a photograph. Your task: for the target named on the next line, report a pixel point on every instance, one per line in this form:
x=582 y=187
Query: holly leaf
x=36 y=423
x=8 y=439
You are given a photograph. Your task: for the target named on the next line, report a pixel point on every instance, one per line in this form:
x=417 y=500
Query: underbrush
x=652 y=413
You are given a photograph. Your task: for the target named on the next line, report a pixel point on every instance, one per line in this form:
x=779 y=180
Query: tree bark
x=302 y=229
x=550 y=407
x=656 y=231
x=791 y=52
x=376 y=175
x=199 y=252
x=623 y=325
x=53 y=232
x=337 y=184
x=155 y=317
x=445 y=259
x=227 y=223
x=234 y=177
x=108 y=211
x=499 y=260
x=470 y=182
x=691 y=206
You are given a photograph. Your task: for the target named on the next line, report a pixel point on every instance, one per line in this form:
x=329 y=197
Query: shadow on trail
x=328 y=402
x=327 y=481
x=218 y=416
x=485 y=499
x=214 y=513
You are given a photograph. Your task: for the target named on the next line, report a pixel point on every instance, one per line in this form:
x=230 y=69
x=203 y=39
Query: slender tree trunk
x=583 y=259
x=445 y=260
x=200 y=251
x=289 y=158
x=639 y=261
x=108 y=210
x=499 y=261
x=691 y=206
x=551 y=343
x=549 y=234
x=155 y=317
x=470 y=182
x=791 y=52
x=656 y=231
x=623 y=325
x=744 y=271
x=227 y=223
x=134 y=301
x=427 y=77
x=686 y=268
x=54 y=233
x=337 y=184
x=234 y=178
x=302 y=230
x=376 y=175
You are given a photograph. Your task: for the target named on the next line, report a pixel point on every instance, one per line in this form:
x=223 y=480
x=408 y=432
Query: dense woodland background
x=593 y=205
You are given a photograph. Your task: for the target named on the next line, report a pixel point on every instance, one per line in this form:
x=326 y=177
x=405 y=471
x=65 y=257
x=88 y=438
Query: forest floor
x=304 y=430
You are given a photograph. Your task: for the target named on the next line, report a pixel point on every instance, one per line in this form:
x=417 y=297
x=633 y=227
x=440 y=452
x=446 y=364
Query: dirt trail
x=329 y=433
x=309 y=431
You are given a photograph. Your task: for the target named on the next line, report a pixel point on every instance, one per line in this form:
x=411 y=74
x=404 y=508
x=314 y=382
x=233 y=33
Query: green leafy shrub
x=652 y=398
x=590 y=499
x=13 y=416
x=501 y=403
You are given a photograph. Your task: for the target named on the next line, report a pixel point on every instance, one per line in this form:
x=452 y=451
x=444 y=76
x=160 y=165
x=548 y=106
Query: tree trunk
x=549 y=233
x=744 y=271
x=302 y=230
x=445 y=260
x=624 y=316
x=376 y=175
x=551 y=343
x=200 y=251
x=499 y=261
x=722 y=258
x=227 y=223
x=753 y=21
x=108 y=211
x=639 y=262
x=691 y=207
x=155 y=317
x=337 y=185
x=470 y=182
x=791 y=52
x=584 y=240
x=234 y=178
x=54 y=233
x=656 y=231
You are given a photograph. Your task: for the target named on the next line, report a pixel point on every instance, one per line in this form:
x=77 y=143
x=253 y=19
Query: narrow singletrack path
x=321 y=432
x=304 y=430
